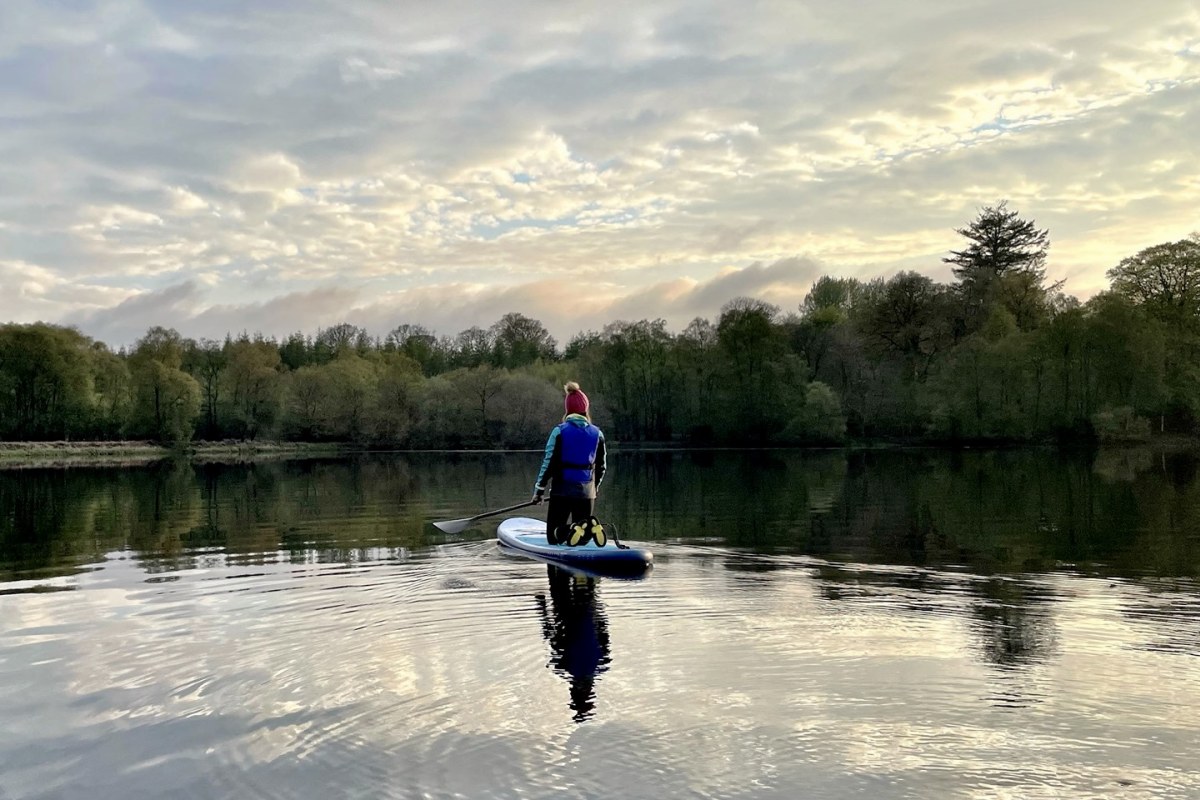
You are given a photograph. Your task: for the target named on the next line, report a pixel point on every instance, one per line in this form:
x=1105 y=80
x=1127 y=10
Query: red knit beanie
x=576 y=402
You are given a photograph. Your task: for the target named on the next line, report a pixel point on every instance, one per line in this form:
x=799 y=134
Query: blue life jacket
x=579 y=444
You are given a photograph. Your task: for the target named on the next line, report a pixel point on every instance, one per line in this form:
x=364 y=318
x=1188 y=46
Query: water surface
x=915 y=624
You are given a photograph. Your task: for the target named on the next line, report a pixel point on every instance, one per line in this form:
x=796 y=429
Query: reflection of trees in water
x=846 y=583
x=994 y=512
x=753 y=566
x=318 y=510
x=1014 y=622
x=1167 y=614
x=175 y=515
x=756 y=499
x=575 y=626
x=52 y=521
x=1011 y=621
x=1122 y=464
x=1181 y=468
x=34 y=511
x=157 y=514
x=990 y=512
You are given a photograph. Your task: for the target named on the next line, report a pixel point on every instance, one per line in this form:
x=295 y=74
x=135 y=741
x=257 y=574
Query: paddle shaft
x=526 y=504
x=459 y=525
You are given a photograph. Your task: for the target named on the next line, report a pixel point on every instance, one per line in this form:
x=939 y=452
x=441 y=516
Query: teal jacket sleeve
x=543 y=476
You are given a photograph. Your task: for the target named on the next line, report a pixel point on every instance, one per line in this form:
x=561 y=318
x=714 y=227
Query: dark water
x=889 y=625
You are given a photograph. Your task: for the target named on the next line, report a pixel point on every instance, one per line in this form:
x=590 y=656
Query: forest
x=997 y=355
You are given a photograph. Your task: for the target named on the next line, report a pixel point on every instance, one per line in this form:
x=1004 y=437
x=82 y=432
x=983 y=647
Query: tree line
x=996 y=354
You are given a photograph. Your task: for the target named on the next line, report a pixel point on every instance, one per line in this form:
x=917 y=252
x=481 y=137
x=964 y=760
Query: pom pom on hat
x=576 y=402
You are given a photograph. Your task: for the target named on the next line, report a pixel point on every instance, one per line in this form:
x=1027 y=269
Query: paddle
x=460 y=525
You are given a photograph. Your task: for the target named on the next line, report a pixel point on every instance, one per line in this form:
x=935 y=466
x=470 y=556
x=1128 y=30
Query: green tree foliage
x=340 y=340
x=46 y=382
x=820 y=420
x=303 y=404
x=581 y=343
x=251 y=378
x=1165 y=279
x=370 y=400
x=521 y=409
x=1003 y=263
x=472 y=347
x=984 y=390
x=420 y=345
x=996 y=355
x=1129 y=352
x=487 y=407
x=445 y=418
x=349 y=384
x=631 y=366
x=830 y=293
x=907 y=316
x=113 y=392
x=827 y=306
x=758 y=379
x=478 y=389
x=395 y=406
x=295 y=351
x=166 y=400
x=1000 y=243
x=205 y=361
x=518 y=340
x=698 y=360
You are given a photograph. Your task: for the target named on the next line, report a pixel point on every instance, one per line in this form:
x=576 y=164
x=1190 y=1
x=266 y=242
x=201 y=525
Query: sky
x=287 y=165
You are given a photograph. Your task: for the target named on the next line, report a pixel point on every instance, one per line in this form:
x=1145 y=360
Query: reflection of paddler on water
x=574 y=624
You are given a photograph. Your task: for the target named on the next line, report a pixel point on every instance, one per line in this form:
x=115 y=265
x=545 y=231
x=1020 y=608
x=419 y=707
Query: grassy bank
x=44 y=454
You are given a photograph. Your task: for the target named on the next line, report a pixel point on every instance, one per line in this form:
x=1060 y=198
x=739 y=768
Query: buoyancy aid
x=579 y=445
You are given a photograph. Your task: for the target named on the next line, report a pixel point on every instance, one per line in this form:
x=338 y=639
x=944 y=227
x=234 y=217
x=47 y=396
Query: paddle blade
x=454 y=525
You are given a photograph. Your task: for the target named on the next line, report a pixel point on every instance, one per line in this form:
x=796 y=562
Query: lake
x=890 y=624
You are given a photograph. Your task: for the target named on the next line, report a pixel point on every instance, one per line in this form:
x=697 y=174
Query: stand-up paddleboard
x=528 y=536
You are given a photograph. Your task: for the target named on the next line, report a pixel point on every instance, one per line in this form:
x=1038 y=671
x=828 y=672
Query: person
x=574 y=465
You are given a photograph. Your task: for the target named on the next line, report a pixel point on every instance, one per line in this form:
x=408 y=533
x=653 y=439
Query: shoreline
x=19 y=455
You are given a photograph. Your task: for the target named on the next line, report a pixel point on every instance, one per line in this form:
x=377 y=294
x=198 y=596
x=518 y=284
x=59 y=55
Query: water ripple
x=456 y=671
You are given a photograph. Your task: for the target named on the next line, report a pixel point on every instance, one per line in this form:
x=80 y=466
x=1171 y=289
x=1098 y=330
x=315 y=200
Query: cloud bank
x=449 y=308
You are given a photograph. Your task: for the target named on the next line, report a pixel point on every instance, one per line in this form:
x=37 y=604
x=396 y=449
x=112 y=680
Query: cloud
x=128 y=320
x=566 y=307
x=182 y=306
x=783 y=278
x=269 y=153
x=34 y=294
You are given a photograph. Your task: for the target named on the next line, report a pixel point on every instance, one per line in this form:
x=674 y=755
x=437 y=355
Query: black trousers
x=562 y=509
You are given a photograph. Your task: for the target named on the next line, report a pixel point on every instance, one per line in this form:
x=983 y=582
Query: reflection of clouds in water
x=1011 y=623
x=424 y=671
x=428 y=678
x=1169 y=614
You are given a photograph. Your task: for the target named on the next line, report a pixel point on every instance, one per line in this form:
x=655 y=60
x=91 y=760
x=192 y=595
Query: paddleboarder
x=574 y=466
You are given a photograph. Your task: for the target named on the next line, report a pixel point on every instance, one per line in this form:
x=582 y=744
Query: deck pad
x=528 y=535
